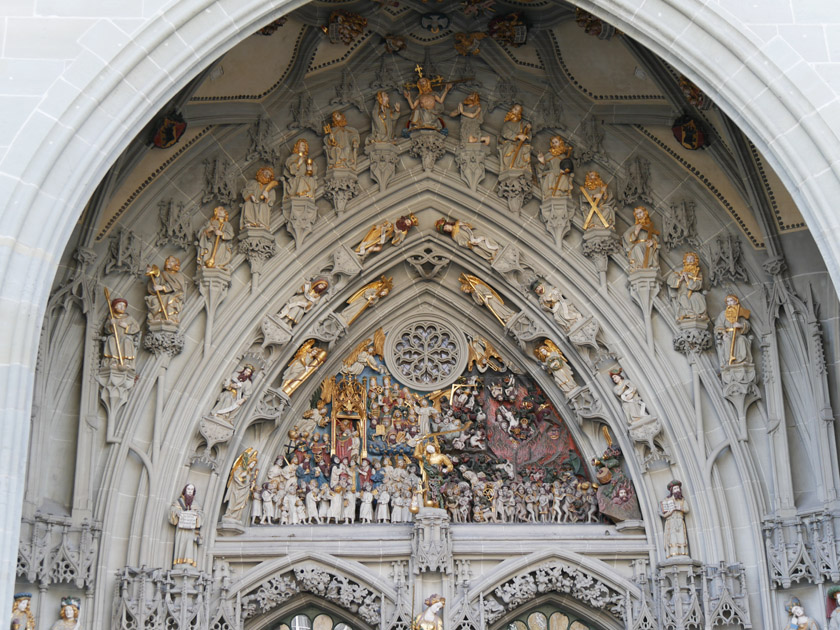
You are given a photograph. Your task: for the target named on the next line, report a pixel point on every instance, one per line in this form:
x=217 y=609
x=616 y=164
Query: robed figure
x=673 y=509
x=120 y=333
x=186 y=515
x=515 y=141
x=259 y=196
x=215 y=249
x=383 y=119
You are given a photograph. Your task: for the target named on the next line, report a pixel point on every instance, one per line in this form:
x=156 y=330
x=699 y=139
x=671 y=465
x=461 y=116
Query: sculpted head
x=265 y=175
x=593 y=180
x=119 y=305
x=732 y=300
x=473 y=99
x=301 y=147
x=675 y=489
x=69 y=608
x=690 y=260
x=383 y=99
x=172 y=264
x=220 y=213
x=514 y=114
x=558 y=146
x=424 y=85
x=640 y=213
x=338 y=119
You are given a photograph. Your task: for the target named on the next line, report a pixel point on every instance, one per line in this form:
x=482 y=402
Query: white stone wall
x=80 y=78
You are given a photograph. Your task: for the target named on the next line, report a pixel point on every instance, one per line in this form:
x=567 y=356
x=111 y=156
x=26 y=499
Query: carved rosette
x=383 y=162
x=426 y=352
x=301 y=219
x=470 y=158
x=428 y=146
x=514 y=186
x=341 y=185
x=556 y=214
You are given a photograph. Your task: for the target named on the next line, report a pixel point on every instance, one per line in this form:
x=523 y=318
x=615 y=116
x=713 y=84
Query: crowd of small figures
x=283 y=501
x=383 y=484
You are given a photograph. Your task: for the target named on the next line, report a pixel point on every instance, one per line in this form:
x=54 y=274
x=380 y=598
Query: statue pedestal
x=276 y=331
x=644 y=432
x=693 y=336
x=644 y=287
x=428 y=145
x=740 y=389
x=213 y=284
x=214 y=430
x=584 y=334
x=301 y=217
x=598 y=244
x=116 y=383
x=257 y=245
x=470 y=158
x=556 y=214
x=383 y=162
x=341 y=185
x=230 y=527
x=163 y=337
x=514 y=186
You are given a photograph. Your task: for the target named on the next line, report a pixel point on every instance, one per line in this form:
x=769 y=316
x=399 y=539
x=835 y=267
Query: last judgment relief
x=488 y=448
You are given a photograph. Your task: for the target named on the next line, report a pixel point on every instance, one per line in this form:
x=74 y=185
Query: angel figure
x=463 y=234
x=364 y=355
x=374 y=241
x=366 y=297
x=307 y=359
x=484 y=295
x=482 y=355
x=556 y=364
x=241 y=484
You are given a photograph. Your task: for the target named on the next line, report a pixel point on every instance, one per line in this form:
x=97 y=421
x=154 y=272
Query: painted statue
x=165 y=292
x=259 y=196
x=383 y=119
x=552 y=300
x=215 y=249
x=186 y=515
x=426 y=107
x=641 y=241
x=378 y=235
x=430 y=619
x=673 y=509
x=307 y=359
x=300 y=172
x=597 y=203
x=484 y=295
x=22 y=618
x=472 y=116
x=556 y=169
x=302 y=301
x=341 y=143
x=241 y=484
x=366 y=297
x=797 y=619
x=515 y=141
x=120 y=333
x=556 y=364
x=68 y=615
x=464 y=234
x=686 y=287
x=235 y=391
x=834 y=597
x=731 y=328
